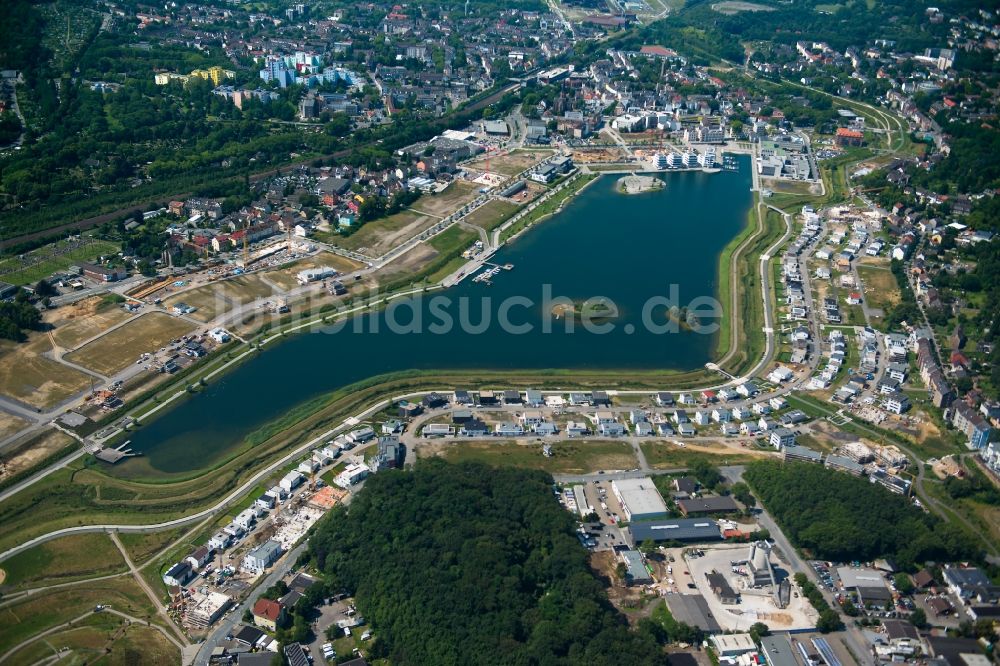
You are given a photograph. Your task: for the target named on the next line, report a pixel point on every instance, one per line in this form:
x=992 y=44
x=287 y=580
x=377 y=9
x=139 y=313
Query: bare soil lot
x=512 y=163
x=80 y=321
x=285 y=277
x=217 y=298
x=30 y=451
x=377 y=237
x=9 y=424
x=444 y=203
x=120 y=348
x=28 y=375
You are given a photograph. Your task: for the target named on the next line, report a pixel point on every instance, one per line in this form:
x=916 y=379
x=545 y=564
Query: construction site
x=732 y=586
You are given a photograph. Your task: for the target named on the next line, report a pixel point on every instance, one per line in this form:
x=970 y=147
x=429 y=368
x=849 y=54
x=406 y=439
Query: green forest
x=839 y=517
x=467 y=564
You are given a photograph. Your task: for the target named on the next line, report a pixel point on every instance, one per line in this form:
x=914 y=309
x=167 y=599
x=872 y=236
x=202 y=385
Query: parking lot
x=599 y=495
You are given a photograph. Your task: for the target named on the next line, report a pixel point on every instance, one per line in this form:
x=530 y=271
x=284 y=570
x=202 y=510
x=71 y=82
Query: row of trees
x=839 y=517
x=466 y=564
x=829 y=619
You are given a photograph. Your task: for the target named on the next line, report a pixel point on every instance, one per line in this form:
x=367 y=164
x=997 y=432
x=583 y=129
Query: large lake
x=625 y=248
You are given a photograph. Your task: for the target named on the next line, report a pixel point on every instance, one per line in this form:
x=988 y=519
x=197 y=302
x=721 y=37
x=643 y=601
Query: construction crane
x=246 y=246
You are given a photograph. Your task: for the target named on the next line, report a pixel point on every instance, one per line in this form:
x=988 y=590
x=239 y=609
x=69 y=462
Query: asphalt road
x=225 y=627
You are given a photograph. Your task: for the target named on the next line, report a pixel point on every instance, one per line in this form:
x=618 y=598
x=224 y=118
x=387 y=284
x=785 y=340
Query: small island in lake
x=687 y=319
x=633 y=184
x=591 y=309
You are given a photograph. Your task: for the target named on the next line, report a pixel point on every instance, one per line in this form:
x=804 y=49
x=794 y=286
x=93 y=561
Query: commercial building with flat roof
x=778 y=651
x=635 y=568
x=707 y=505
x=733 y=645
x=681 y=529
x=639 y=498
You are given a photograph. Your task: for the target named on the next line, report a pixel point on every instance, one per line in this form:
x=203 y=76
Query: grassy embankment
x=31 y=615
x=548 y=207
x=740 y=355
x=87 y=493
x=60 y=561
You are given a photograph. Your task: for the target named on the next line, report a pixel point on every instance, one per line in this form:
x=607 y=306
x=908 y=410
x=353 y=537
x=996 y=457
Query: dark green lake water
x=626 y=248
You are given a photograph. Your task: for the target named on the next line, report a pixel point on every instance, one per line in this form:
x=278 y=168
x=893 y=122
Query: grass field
x=456 y=195
x=668 y=455
x=32 y=615
x=377 y=237
x=142 y=546
x=213 y=299
x=491 y=215
x=880 y=287
x=104 y=639
x=120 y=348
x=29 y=376
x=80 y=321
x=43 y=262
x=450 y=243
x=286 y=277
x=567 y=457
x=62 y=560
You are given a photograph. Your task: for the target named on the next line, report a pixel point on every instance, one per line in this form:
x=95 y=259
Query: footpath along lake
x=626 y=248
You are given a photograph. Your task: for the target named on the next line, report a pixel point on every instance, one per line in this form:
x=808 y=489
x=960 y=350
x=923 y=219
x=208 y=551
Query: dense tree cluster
x=466 y=564
x=17 y=315
x=839 y=517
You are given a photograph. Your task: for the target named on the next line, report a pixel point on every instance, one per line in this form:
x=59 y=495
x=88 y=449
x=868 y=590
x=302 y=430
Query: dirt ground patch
x=216 y=298
x=30 y=376
x=666 y=454
x=285 y=277
x=511 y=163
x=880 y=287
x=80 y=321
x=410 y=262
x=602 y=155
x=121 y=347
x=9 y=424
x=29 y=452
x=459 y=193
x=946 y=467
x=791 y=186
x=379 y=236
